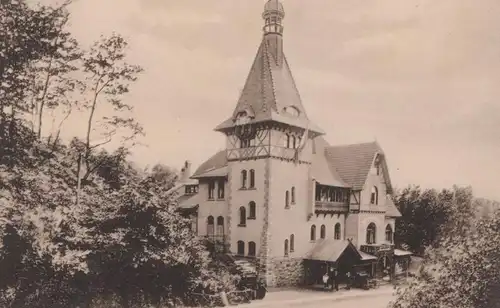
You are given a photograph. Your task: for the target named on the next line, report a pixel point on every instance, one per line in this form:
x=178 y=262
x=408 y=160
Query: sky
x=419 y=76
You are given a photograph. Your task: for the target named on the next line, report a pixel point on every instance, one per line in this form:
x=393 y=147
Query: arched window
x=293 y=195
x=210 y=225
x=286 y=247
x=388 y=234
x=322 y=232
x=251 y=249
x=243 y=216
x=243 y=179
x=337 y=231
x=313 y=232
x=220 y=225
x=374 y=196
x=241 y=248
x=251 y=209
x=252 y=178
x=287 y=199
x=292 y=242
x=371 y=233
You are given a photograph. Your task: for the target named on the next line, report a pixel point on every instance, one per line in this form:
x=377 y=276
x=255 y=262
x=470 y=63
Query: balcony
x=331 y=207
x=377 y=249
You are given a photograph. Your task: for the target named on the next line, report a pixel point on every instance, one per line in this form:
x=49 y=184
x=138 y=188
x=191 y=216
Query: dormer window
x=292 y=111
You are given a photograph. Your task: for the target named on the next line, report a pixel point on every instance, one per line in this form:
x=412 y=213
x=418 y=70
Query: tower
x=269 y=154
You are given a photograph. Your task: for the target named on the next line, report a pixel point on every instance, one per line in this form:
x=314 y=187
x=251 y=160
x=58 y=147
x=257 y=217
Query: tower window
x=243 y=216
x=293 y=195
x=292 y=243
x=252 y=178
x=374 y=195
x=313 y=232
x=287 y=199
x=286 y=248
x=251 y=249
x=246 y=142
x=371 y=234
x=337 y=231
x=210 y=225
x=322 y=231
x=241 y=248
x=211 y=190
x=388 y=234
x=220 y=190
x=243 y=179
x=251 y=208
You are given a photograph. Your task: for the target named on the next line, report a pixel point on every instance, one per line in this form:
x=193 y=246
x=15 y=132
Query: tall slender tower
x=269 y=155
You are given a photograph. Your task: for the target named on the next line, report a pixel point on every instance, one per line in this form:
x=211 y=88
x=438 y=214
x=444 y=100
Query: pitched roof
x=330 y=250
x=217 y=161
x=270 y=88
x=353 y=161
x=323 y=171
x=391 y=209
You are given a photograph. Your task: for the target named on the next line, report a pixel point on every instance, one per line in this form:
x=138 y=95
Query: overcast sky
x=420 y=76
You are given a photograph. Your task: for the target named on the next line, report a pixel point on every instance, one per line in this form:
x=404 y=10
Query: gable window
x=336 y=234
x=287 y=199
x=211 y=190
x=374 y=195
x=243 y=216
x=388 y=234
x=313 y=232
x=252 y=178
x=251 y=210
x=371 y=234
x=292 y=242
x=243 y=179
x=220 y=226
x=286 y=248
x=251 y=249
x=210 y=225
x=241 y=248
x=293 y=195
x=322 y=232
x=220 y=190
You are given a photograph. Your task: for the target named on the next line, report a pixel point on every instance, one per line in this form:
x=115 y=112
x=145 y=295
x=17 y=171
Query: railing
x=331 y=206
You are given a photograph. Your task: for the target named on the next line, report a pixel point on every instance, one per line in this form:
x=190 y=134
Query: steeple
x=270 y=93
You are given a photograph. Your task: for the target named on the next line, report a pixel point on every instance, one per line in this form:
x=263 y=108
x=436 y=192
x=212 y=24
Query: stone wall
x=288 y=272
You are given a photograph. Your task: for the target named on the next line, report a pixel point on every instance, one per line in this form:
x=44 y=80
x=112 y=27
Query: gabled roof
x=391 y=209
x=270 y=88
x=214 y=163
x=330 y=250
x=353 y=161
x=323 y=171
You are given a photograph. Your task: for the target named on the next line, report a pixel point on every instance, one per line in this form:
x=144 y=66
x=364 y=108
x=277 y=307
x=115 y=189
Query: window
x=245 y=142
x=287 y=199
x=318 y=192
x=210 y=225
x=313 y=232
x=191 y=189
x=294 y=142
x=374 y=196
x=251 y=249
x=220 y=190
x=211 y=190
x=252 y=178
x=243 y=216
x=220 y=225
x=322 y=232
x=292 y=243
x=286 y=247
x=337 y=231
x=194 y=224
x=243 y=179
x=388 y=234
x=241 y=248
x=371 y=234
x=377 y=166
x=293 y=195
x=251 y=210
x=287 y=141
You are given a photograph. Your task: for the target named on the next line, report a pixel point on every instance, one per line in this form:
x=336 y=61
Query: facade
x=279 y=192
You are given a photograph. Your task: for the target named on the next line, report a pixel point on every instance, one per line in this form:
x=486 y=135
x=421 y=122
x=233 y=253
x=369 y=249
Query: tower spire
x=273 y=16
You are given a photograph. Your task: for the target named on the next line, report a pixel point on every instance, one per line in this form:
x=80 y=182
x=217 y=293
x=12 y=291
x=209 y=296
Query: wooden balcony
x=330 y=207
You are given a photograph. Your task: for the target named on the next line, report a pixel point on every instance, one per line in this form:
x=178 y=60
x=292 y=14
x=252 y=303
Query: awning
x=402 y=253
x=330 y=250
x=366 y=256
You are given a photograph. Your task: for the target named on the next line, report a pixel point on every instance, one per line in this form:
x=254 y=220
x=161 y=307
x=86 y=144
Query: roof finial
x=273 y=16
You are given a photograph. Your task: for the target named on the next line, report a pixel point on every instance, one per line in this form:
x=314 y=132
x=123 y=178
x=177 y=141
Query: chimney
x=186 y=171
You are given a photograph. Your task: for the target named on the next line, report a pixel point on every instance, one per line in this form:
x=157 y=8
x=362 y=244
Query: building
x=280 y=193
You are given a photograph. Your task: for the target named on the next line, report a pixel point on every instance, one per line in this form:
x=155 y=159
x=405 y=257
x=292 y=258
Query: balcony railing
x=331 y=206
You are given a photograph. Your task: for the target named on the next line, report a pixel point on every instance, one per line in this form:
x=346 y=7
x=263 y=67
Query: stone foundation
x=287 y=272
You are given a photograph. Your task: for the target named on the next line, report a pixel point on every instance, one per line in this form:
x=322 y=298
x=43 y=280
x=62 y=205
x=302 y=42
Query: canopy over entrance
x=331 y=250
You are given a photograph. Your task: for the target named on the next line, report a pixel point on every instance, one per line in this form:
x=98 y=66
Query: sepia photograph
x=249 y=153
